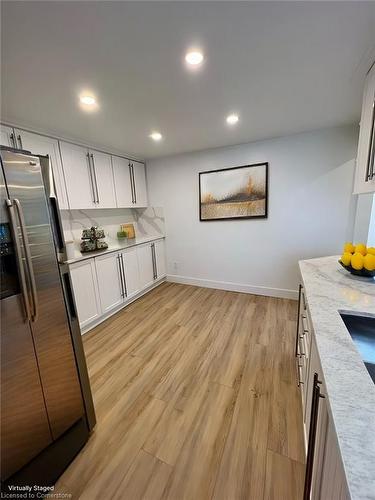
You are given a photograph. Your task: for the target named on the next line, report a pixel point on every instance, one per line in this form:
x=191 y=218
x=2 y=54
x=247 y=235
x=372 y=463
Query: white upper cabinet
x=139 y=184
x=365 y=169
x=85 y=178
x=145 y=265
x=130 y=183
x=78 y=176
x=41 y=145
x=102 y=175
x=88 y=176
x=123 y=182
x=7 y=137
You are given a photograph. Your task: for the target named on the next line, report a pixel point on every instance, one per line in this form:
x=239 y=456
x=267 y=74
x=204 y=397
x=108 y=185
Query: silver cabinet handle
x=131 y=181
x=372 y=173
x=134 y=186
x=299 y=370
x=95 y=179
x=316 y=395
x=29 y=263
x=298 y=318
x=120 y=273
x=301 y=347
x=123 y=275
x=304 y=324
x=13 y=140
x=20 y=141
x=91 y=179
x=21 y=270
x=154 y=266
x=371 y=151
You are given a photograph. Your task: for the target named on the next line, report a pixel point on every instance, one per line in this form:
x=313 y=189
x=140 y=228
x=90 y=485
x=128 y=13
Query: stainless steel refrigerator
x=46 y=404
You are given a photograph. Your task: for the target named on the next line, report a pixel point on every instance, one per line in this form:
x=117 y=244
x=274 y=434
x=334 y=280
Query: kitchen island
x=330 y=290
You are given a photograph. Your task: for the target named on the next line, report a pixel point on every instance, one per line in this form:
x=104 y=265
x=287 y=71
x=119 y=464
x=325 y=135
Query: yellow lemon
x=360 y=248
x=369 y=262
x=357 y=261
x=371 y=250
x=346 y=258
x=348 y=247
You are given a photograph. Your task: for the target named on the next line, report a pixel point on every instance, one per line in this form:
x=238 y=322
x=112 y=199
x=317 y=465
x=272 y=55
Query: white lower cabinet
x=108 y=270
x=325 y=476
x=106 y=283
x=145 y=264
x=131 y=272
x=86 y=294
x=160 y=261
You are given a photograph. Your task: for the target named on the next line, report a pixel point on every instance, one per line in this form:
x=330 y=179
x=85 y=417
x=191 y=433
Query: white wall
x=311 y=212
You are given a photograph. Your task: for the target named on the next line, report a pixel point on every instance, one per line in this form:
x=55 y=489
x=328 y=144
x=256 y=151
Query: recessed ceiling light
x=88 y=100
x=156 y=136
x=194 y=58
x=232 y=119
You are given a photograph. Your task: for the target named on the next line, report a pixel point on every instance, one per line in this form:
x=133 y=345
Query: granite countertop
x=113 y=246
x=329 y=289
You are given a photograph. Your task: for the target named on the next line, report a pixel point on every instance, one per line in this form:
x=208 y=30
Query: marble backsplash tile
x=147 y=222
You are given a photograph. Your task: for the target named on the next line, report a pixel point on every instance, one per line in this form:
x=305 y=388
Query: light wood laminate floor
x=196 y=398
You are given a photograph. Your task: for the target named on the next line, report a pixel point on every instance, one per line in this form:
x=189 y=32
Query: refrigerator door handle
x=24 y=292
x=54 y=212
x=29 y=263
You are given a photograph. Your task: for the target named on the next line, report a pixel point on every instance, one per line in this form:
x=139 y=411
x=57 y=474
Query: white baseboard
x=235 y=287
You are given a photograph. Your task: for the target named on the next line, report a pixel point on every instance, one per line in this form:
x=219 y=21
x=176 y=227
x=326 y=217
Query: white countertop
x=113 y=246
x=329 y=289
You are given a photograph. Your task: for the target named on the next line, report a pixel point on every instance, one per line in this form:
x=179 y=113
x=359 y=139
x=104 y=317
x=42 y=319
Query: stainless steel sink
x=362 y=331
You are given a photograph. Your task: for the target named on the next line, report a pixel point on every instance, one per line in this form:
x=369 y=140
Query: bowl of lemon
x=359 y=260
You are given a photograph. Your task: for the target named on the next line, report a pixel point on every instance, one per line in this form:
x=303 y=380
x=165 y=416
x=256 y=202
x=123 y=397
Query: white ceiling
x=285 y=67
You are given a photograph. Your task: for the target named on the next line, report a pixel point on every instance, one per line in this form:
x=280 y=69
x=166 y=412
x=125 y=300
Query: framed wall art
x=234 y=193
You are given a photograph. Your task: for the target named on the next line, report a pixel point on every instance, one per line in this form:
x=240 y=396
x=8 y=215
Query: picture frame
x=239 y=192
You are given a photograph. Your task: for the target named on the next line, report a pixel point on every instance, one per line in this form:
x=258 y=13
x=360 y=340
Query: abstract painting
x=234 y=193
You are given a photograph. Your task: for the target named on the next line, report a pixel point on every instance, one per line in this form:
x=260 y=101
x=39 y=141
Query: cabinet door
x=78 y=176
x=333 y=483
x=132 y=280
x=161 y=270
x=366 y=141
x=123 y=187
x=140 y=188
x=7 y=137
x=145 y=265
x=103 y=179
x=85 y=288
x=109 y=281
x=41 y=145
